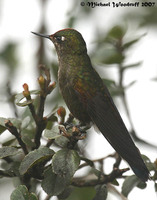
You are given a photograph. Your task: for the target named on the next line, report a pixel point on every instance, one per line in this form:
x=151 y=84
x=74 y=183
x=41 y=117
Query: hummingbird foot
x=76 y=135
x=68 y=125
x=73 y=131
x=83 y=127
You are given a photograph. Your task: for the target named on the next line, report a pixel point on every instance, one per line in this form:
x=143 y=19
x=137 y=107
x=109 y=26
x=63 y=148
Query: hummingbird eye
x=60 y=38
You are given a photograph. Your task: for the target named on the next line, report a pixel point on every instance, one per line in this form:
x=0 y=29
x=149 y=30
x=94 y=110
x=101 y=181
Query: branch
x=47 y=197
x=124 y=100
x=7 y=174
x=26 y=94
x=116 y=173
x=91 y=162
x=118 y=160
x=45 y=89
x=15 y=132
x=11 y=99
x=111 y=187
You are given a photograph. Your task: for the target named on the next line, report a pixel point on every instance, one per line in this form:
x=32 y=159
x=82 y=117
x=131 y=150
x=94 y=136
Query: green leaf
x=115 y=182
x=66 y=193
x=53 y=184
x=2 y=129
x=10 y=142
x=101 y=192
x=155 y=185
x=129 y=183
x=117 y=91
x=25 y=122
x=96 y=172
x=27 y=132
x=151 y=166
x=7 y=151
x=9 y=56
x=35 y=157
x=109 y=82
x=112 y=57
x=117 y=32
x=27 y=140
x=19 y=97
x=154 y=79
x=132 y=65
x=25 y=103
x=53 y=133
x=145 y=158
x=50 y=116
x=130 y=84
x=21 y=193
x=62 y=141
x=142 y=185
x=3 y=121
x=132 y=42
x=85 y=193
x=65 y=163
x=14 y=121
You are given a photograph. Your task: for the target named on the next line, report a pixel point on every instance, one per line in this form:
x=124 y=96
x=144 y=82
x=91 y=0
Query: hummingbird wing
x=105 y=115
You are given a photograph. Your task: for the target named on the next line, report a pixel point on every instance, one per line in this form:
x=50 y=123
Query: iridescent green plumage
x=89 y=100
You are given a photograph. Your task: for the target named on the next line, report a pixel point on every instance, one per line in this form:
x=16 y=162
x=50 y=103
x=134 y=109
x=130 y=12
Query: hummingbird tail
x=105 y=115
x=141 y=173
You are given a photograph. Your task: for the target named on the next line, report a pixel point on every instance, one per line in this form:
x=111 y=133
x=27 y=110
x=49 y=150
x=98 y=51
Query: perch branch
x=116 y=173
x=15 y=132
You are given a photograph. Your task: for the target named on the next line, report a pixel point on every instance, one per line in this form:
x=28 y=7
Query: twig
x=26 y=94
x=6 y=174
x=81 y=182
x=39 y=129
x=91 y=162
x=45 y=89
x=15 y=132
x=111 y=187
x=47 y=197
x=11 y=99
x=50 y=142
x=103 y=158
x=32 y=110
x=41 y=121
x=118 y=161
x=125 y=104
x=69 y=120
x=124 y=100
x=87 y=163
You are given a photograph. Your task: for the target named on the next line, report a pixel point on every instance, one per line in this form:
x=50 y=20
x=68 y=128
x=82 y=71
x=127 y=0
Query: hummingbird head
x=67 y=41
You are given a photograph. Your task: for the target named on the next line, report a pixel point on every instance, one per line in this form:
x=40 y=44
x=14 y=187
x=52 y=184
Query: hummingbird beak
x=41 y=35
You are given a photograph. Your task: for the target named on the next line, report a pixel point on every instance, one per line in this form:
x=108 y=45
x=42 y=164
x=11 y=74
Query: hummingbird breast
x=76 y=105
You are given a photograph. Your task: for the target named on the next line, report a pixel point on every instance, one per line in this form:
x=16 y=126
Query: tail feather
x=105 y=115
x=141 y=173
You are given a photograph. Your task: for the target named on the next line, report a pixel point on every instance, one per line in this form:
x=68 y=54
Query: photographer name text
x=93 y=4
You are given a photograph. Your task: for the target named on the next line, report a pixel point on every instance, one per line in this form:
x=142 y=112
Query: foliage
x=54 y=170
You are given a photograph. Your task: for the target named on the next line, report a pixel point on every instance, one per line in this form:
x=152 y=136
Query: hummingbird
x=89 y=100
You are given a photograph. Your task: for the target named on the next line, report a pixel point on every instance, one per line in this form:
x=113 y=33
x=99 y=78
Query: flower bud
x=51 y=87
x=61 y=112
x=26 y=92
x=41 y=81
